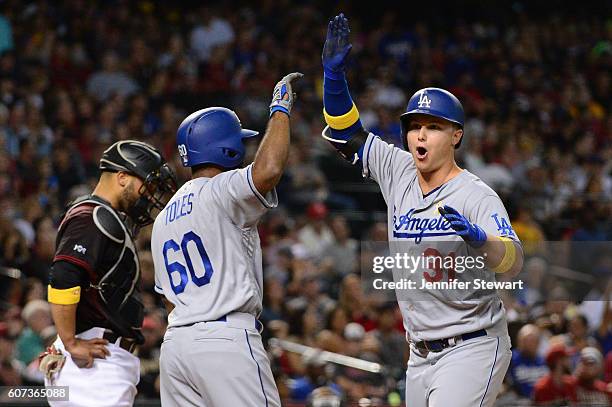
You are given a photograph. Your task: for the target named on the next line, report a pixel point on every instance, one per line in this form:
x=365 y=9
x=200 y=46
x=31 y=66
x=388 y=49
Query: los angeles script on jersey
x=408 y=226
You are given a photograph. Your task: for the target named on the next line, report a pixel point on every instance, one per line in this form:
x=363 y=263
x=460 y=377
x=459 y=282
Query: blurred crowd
x=78 y=75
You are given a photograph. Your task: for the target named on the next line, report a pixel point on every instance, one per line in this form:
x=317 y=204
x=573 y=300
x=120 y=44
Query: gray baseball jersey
x=206 y=248
x=207 y=258
x=413 y=218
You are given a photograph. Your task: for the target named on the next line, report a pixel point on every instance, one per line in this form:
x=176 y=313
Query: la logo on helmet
x=424 y=100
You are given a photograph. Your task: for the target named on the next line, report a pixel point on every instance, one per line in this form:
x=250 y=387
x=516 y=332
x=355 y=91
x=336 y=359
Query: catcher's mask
x=145 y=162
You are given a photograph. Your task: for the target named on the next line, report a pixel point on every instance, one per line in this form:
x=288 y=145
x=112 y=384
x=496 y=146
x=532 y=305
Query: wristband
x=509 y=256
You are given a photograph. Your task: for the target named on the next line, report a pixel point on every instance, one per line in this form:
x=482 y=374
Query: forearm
x=64 y=294
x=271 y=157
x=503 y=255
x=340 y=113
x=344 y=130
x=64 y=318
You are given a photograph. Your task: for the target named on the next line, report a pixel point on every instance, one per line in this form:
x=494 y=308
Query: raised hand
x=337 y=47
x=283 y=96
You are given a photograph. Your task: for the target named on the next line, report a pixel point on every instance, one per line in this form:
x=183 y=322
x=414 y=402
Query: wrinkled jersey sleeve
x=82 y=244
x=384 y=162
x=235 y=192
x=492 y=217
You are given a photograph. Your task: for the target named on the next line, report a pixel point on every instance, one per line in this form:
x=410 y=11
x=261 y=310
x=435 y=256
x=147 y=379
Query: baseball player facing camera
x=93 y=280
x=208 y=260
x=460 y=349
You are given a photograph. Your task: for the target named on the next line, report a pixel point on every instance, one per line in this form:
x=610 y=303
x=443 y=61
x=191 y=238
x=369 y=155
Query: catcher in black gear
x=93 y=280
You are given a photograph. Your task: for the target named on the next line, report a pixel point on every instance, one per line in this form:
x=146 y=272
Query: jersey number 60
x=180 y=269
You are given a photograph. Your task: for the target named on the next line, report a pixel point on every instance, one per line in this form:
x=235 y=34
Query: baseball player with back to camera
x=93 y=280
x=208 y=261
x=460 y=350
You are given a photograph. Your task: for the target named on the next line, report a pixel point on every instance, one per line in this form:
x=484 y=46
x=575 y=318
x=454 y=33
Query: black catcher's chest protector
x=116 y=269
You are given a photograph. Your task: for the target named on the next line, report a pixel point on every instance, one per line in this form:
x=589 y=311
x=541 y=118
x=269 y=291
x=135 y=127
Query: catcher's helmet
x=433 y=102
x=212 y=136
x=145 y=162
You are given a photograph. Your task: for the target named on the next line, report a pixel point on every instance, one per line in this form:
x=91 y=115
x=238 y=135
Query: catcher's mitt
x=51 y=361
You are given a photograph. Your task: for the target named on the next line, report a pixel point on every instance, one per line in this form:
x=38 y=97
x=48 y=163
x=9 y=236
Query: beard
x=128 y=197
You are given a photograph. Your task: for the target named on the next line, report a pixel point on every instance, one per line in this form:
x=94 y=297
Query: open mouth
x=421 y=153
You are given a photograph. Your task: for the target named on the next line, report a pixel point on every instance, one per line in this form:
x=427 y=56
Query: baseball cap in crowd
x=556 y=352
x=32 y=307
x=317 y=211
x=591 y=354
x=324 y=397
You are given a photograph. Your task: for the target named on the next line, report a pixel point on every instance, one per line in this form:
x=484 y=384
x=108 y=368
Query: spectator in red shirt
x=608 y=371
x=590 y=390
x=558 y=387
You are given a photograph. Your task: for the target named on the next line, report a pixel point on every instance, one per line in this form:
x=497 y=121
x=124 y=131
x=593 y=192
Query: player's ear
x=457 y=135
x=123 y=178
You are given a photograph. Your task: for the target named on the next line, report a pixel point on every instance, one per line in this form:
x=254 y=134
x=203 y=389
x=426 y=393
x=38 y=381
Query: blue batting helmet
x=212 y=136
x=433 y=102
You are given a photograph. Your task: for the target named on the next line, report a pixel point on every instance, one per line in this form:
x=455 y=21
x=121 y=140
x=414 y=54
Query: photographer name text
x=478 y=284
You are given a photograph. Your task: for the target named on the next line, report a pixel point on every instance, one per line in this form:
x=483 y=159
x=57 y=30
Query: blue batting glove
x=283 y=96
x=470 y=232
x=337 y=47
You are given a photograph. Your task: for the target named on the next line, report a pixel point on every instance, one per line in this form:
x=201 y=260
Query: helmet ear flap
x=230 y=153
